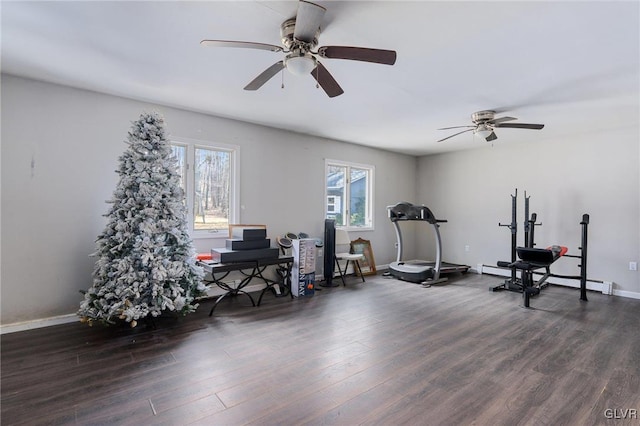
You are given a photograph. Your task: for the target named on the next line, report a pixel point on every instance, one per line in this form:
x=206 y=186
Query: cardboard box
x=303 y=270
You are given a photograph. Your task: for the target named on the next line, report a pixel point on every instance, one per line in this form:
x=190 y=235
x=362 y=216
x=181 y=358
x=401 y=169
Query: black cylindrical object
x=530 y=234
x=329 y=252
x=514 y=233
x=583 y=258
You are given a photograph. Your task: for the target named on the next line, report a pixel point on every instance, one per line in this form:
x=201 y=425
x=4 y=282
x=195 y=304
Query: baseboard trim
x=624 y=293
x=595 y=285
x=39 y=323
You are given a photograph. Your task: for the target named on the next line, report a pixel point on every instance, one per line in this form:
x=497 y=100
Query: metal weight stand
x=584 y=223
x=514 y=283
x=525 y=283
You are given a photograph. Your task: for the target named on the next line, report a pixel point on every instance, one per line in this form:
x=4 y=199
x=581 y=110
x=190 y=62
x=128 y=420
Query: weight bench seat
x=530 y=260
x=536 y=258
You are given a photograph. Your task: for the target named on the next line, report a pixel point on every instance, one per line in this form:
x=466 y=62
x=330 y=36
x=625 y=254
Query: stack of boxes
x=245 y=244
x=250 y=244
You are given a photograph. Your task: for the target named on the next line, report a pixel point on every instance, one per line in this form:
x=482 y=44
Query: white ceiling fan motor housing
x=482 y=116
x=286 y=36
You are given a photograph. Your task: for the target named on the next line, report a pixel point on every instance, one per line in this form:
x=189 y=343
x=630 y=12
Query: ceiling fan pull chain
x=282 y=74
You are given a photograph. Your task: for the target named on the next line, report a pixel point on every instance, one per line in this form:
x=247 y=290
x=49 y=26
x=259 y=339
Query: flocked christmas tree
x=146 y=261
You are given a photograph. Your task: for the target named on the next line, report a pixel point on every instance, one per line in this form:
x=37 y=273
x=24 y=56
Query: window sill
x=356 y=228
x=201 y=235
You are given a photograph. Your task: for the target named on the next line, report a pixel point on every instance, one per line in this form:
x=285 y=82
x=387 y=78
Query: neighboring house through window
x=349 y=194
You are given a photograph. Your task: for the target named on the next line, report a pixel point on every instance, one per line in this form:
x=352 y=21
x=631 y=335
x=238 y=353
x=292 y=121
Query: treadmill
x=419 y=271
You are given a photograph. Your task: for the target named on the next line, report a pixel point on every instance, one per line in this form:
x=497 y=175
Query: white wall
x=589 y=173
x=60 y=149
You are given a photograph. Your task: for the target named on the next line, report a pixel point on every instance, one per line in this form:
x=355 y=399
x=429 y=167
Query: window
x=349 y=194
x=210 y=181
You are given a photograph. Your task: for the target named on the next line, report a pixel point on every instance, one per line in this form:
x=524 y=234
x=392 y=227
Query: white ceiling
x=573 y=66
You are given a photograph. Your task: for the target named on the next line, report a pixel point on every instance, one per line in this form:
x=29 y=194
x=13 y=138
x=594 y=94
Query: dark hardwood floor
x=383 y=352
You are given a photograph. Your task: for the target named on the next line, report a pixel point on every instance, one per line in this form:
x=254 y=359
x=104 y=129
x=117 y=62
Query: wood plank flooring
x=384 y=352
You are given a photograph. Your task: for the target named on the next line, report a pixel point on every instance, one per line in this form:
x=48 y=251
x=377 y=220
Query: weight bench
x=532 y=259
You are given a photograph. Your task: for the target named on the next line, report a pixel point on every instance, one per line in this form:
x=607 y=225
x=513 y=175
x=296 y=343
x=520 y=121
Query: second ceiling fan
x=484 y=124
x=299 y=37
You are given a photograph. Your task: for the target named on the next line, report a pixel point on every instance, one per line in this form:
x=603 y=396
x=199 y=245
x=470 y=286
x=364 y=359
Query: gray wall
x=595 y=173
x=59 y=154
x=60 y=149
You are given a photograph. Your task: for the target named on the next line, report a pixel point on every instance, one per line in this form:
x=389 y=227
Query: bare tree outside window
x=212 y=184
x=180 y=153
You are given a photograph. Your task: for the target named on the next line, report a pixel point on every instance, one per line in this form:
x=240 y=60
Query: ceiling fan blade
x=520 y=126
x=326 y=81
x=456 y=134
x=265 y=76
x=308 y=20
x=455 y=127
x=491 y=137
x=241 y=44
x=378 y=56
x=501 y=120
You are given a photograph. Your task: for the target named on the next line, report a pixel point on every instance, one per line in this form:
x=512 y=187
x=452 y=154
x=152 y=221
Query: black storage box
x=223 y=255
x=238 y=244
x=249 y=233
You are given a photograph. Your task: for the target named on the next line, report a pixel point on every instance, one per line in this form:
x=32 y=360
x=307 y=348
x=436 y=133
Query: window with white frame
x=349 y=194
x=210 y=180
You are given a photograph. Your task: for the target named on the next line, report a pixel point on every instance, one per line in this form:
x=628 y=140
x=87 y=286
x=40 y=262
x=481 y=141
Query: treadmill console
x=407 y=211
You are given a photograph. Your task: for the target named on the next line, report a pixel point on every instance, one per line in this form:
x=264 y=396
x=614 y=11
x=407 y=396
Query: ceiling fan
x=484 y=124
x=299 y=37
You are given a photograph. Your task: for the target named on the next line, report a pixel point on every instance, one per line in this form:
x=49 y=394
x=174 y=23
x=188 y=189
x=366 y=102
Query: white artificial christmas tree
x=146 y=261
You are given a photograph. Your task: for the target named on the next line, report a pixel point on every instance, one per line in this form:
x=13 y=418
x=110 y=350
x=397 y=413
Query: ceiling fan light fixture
x=483 y=131
x=301 y=64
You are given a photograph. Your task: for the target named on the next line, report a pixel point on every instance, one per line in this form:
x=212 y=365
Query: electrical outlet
x=467 y=248
x=633 y=266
